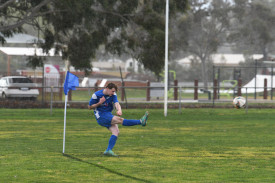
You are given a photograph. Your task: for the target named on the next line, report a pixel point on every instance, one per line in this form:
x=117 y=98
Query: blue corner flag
x=70 y=83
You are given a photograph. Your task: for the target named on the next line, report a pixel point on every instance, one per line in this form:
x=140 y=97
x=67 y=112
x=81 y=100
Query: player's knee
x=120 y=120
x=116 y=132
x=117 y=120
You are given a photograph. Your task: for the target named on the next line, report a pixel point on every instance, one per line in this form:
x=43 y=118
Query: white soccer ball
x=239 y=102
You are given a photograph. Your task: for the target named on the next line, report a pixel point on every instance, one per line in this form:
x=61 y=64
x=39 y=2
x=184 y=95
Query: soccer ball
x=239 y=102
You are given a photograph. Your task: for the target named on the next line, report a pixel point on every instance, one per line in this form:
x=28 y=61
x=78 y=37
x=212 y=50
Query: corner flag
x=70 y=83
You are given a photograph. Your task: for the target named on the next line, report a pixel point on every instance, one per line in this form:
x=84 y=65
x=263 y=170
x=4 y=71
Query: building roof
x=19 y=51
x=220 y=59
x=14 y=77
x=22 y=38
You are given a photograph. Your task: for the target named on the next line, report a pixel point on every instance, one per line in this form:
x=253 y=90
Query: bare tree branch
x=7 y=4
x=29 y=15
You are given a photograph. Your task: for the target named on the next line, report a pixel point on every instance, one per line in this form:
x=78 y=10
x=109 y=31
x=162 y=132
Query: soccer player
x=102 y=102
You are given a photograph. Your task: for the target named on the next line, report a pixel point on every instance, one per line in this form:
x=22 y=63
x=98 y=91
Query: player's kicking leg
x=131 y=122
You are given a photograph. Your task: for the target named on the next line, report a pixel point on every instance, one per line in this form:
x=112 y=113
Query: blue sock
x=131 y=122
x=112 y=142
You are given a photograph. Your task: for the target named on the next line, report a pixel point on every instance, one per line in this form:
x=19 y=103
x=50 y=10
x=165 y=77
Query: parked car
x=18 y=87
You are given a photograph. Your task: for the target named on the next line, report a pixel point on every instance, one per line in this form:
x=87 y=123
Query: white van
x=18 y=87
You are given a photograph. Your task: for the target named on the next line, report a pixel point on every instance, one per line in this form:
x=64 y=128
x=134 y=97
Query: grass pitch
x=199 y=145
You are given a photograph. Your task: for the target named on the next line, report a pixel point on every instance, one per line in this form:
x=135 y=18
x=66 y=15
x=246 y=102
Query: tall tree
x=253 y=27
x=147 y=40
x=14 y=14
x=205 y=29
x=78 y=28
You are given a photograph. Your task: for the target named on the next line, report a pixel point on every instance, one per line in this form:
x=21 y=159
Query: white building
x=219 y=59
x=132 y=64
x=114 y=64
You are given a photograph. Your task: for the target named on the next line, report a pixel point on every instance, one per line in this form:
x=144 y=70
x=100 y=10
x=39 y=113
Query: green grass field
x=199 y=145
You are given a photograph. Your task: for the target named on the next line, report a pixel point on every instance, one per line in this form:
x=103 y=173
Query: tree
x=147 y=41
x=206 y=25
x=135 y=27
x=253 y=27
x=14 y=14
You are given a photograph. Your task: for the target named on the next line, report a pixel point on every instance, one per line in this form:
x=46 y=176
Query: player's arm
x=118 y=109
x=101 y=100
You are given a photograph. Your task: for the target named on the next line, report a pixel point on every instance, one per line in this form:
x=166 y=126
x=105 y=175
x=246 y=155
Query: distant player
x=102 y=102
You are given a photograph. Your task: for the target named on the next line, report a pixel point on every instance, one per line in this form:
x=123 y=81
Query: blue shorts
x=104 y=118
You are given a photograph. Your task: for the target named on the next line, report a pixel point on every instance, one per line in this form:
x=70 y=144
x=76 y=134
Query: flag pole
x=166 y=60
x=71 y=81
x=64 y=133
